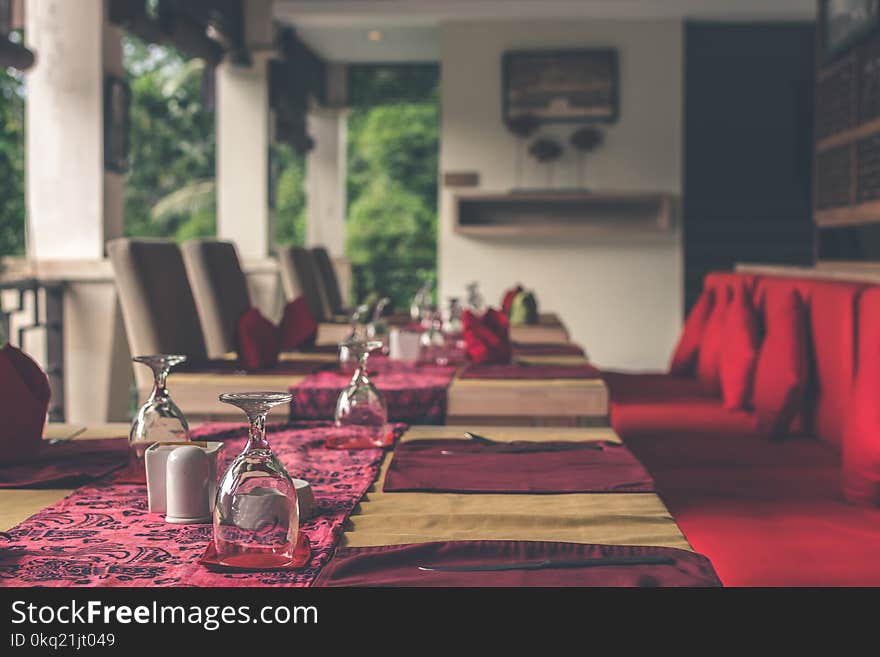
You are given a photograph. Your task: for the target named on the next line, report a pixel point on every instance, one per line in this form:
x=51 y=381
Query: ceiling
x=407 y=30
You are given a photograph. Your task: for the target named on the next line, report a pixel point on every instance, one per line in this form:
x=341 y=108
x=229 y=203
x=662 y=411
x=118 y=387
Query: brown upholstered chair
x=220 y=290
x=157 y=303
x=299 y=279
x=328 y=283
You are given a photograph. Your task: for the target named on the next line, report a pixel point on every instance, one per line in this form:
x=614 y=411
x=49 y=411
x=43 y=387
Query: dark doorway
x=748 y=116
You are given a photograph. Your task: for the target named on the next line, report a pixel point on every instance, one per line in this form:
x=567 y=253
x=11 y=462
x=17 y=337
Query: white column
x=242 y=124
x=242 y=117
x=326 y=179
x=73 y=207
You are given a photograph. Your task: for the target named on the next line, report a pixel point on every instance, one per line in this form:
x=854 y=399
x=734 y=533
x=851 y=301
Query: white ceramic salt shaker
x=190 y=483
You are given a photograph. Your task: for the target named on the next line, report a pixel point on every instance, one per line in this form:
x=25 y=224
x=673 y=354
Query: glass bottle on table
x=159 y=420
x=256 y=513
x=360 y=407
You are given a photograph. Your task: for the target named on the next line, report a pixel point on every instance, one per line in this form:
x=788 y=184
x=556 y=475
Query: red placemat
x=399 y=565
x=103 y=535
x=530 y=372
x=67 y=464
x=415 y=394
x=546 y=349
x=461 y=466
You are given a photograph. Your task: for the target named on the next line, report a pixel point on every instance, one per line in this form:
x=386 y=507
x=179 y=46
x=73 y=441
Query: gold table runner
x=611 y=518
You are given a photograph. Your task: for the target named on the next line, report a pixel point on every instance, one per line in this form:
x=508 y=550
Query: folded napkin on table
x=414 y=565
x=524 y=308
x=487 y=338
x=24 y=403
x=461 y=466
x=67 y=464
x=509 y=296
x=260 y=341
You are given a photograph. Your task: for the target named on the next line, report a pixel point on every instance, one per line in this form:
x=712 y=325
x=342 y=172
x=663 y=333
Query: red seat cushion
x=740 y=354
x=861 y=437
x=782 y=370
x=259 y=341
x=712 y=342
x=656 y=405
x=298 y=326
x=684 y=358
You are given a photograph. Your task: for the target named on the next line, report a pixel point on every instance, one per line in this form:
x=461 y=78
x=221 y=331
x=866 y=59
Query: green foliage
x=290 y=196
x=170 y=190
x=12 y=208
x=392 y=183
x=172 y=145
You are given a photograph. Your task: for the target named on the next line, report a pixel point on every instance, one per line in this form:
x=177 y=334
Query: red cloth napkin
x=68 y=464
x=487 y=338
x=530 y=372
x=462 y=466
x=509 y=296
x=259 y=341
x=298 y=327
x=24 y=402
x=398 y=565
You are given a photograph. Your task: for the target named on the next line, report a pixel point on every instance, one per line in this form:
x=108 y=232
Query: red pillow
x=23 y=405
x=487 y=338
x=740 y=353
x=711 y=344
x=509 y=296
x=298 y=326
x=861 y=436
x=684 y=359
x=783 y=368
x=259 y=341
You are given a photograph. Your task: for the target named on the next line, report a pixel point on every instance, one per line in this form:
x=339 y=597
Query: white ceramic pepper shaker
x=190 y=486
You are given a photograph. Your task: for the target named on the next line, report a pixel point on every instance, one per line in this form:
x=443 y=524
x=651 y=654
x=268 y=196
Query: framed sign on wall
x=563 y=86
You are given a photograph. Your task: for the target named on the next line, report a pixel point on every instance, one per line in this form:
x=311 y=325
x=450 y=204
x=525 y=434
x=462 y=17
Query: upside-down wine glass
x=361 y=407
x=256 y=514
x=159 y=420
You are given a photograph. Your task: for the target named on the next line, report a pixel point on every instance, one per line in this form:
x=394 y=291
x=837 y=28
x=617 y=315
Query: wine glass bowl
x=361 y=408
x=256 y=514
x=159 y=420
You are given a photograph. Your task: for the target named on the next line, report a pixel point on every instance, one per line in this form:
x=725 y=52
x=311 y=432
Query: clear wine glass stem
x=160 y=376
x=256 y=431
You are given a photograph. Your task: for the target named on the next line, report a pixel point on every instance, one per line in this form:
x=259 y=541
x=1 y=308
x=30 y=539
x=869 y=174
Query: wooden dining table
x=396 y=518
x=548 y=329
x=524 y=402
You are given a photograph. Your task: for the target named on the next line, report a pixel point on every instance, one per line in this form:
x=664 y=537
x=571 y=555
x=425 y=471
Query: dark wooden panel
x=748 y=145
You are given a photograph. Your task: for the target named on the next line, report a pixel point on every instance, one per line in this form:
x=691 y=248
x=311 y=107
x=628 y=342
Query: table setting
x=346 y=491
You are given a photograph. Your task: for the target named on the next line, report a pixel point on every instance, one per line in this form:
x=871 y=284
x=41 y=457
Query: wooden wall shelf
x=561 y=213
x=850 y=215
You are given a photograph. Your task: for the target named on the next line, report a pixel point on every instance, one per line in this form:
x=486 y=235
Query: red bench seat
x=767 y=513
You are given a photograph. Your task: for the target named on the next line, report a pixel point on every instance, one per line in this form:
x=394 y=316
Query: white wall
x=620 y=298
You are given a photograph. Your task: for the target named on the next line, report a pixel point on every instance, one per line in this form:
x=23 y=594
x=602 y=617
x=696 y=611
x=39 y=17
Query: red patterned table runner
x=102 y=534
x=415 y=394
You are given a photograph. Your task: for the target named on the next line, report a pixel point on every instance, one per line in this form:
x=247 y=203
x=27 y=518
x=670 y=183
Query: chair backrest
x=157 y=303
x=299 y=278
x=329 y=282
x=220 y=289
